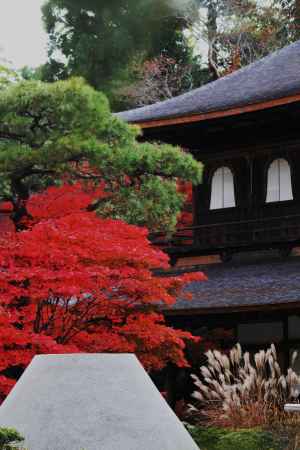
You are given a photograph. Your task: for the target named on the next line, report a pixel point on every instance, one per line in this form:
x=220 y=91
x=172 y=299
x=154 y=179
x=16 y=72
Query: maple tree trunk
x=18 y=214
x=20 y=198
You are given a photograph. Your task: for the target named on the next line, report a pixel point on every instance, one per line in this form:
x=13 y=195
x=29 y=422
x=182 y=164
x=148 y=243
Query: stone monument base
x=91 y=402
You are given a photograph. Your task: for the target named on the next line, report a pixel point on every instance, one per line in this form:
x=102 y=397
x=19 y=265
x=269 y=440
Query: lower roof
x=248 y=282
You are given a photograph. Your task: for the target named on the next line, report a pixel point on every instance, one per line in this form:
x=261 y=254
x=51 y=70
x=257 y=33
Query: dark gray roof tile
x=240 y=284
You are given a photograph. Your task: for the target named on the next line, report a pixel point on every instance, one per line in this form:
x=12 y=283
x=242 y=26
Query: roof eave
x=229 y=309
x=185 y=119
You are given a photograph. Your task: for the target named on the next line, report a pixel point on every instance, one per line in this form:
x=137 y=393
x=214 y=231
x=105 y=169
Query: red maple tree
x=73 y=282
x=185 y=219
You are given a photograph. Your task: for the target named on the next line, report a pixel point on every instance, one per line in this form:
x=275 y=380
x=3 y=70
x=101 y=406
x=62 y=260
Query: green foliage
x=226 y=439
x=207 y=438
x=7 y=76
x=247 y=440
x=30 y=73
x=99 y=40
x=156 y=200
x=10 y=439
x=48 y=130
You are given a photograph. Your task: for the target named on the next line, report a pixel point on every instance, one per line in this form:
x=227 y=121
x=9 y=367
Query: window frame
x=211 y=178
x=266 y=181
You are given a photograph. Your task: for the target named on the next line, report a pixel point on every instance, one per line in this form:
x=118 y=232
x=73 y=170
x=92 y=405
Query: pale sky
x=23 y=40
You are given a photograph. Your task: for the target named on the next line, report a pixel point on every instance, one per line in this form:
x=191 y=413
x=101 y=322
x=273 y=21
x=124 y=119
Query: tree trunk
x=21 y=196
x=297 y=18
x=212 y=29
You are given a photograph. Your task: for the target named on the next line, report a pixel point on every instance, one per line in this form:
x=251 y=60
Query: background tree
x=237 y=33
x=159 y=79
x=99 y=40
x=31 y=73
x=7 y=75
x=290 y=10
x=64 y=130
x=115 y=45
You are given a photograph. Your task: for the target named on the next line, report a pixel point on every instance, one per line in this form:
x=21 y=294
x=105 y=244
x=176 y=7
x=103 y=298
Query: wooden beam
x=218 y=114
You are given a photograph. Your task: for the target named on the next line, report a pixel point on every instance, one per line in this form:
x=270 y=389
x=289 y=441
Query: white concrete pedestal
x=92 y=402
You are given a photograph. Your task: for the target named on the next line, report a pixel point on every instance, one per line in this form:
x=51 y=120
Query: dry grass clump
x=238 y=391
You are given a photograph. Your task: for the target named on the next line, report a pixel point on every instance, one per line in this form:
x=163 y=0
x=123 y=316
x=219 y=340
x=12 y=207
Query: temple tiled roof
x=257 y=282
x=273 y=77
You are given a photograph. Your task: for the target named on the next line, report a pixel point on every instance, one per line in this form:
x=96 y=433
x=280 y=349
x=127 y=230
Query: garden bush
x=10 y=439
x=225 y=439
x=248 y=440
x=207 y=438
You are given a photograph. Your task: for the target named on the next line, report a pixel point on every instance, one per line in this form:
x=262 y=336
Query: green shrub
x=208 y=438
x=226 y=439
x=247 y=440
x=10 y=439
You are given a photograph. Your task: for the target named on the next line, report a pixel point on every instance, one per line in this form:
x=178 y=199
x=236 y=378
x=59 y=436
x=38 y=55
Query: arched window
x=222 y=189
x=279 y=187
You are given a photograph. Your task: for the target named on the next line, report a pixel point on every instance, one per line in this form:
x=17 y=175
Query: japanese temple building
x=245 y=129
